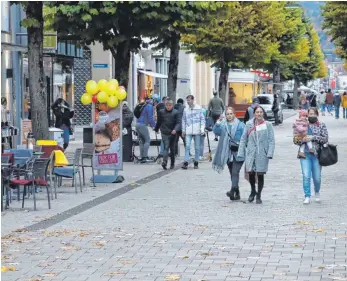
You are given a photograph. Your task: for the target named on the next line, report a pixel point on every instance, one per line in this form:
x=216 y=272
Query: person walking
x=169 y=124
x=322 y=101
x=145 y=119
x=230 y=132
x=303 y=101
x=128 y=117
x=310 y=167
x=257 y=146
x=250 y=110
x=313 y=102
x=215 y=109
x=193 y=126
x=337 y=104
x=179 y=106
x=275 y=109
x=63 y=113
x=329 y=102
x=344 y=104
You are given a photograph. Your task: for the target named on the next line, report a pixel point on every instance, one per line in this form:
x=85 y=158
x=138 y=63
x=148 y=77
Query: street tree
x=292 y=45
x=172 y=19
x=335 y=23
x=307 y=67
x=244 y=34
x=118 y=25
x=37 y=91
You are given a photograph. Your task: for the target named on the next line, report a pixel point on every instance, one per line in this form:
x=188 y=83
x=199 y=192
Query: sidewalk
x=16 y=218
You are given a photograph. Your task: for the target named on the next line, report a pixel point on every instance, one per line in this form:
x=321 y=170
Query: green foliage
x=335 y=22
x=240 y=35
x=30 y=22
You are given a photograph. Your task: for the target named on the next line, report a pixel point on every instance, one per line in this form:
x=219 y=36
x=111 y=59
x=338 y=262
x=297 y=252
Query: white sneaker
x=317 y=198
x=307 y=201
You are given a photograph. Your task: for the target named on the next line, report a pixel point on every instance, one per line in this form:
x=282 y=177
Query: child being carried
x=300 y=130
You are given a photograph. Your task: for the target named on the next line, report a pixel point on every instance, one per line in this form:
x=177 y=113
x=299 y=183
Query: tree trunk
x=223 y=84
x=295 y=93
x=173 y=65
x=38 y=96
x=276 y=78
x=121 y=54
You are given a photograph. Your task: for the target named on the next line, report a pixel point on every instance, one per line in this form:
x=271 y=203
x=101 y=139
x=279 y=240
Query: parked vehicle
x=266 y=102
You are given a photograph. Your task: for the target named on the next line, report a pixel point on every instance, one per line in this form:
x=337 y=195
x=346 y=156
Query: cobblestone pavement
x=182 y=227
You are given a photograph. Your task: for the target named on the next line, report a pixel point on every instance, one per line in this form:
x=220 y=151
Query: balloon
x=86 y=99
x=94 y=99
x=102 y=97
x=111 y=89
x=121 y=87
x=114 y=81
x=121 y=94
x=92 y=87
x=112 y=101
x=102 y=85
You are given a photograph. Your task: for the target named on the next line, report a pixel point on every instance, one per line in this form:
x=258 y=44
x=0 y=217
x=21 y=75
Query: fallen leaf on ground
x=207 y=254
x=318 y=230
x=185 y=257
x=321 y=267
x=36 y=279
x=304 y=222
x=298 y=245
x=172 y=277
x=50 y=274
x=71 y=248
x=20 y=230
x=127 y=262
x=5 y=268
x=83 y=234
x=99 y=244
x=114 y=273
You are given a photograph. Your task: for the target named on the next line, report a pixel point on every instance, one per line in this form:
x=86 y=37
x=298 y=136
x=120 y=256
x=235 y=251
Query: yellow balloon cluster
x=108 y=92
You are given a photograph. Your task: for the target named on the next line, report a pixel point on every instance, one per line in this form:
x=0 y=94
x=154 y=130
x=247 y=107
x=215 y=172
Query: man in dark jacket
x=169 y=123
x=275 y=109
x=63 y=114
x=179 y=106
x=215 y=109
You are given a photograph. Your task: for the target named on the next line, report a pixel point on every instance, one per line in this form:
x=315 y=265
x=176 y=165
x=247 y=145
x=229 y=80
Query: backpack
x=138 y=109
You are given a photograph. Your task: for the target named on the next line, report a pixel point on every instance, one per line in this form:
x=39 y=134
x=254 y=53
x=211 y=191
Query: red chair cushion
x=21 y=182
x=41 y=182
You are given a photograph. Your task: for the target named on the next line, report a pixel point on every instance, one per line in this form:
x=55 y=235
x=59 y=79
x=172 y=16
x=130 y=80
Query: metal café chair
x=69 y=172
x=35 y=174
x=87 y=155
x=6 y=166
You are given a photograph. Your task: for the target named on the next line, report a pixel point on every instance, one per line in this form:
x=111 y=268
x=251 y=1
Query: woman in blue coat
x=230 y=132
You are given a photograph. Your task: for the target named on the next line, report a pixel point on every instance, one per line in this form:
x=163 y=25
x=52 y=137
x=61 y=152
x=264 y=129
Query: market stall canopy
x=154 y=74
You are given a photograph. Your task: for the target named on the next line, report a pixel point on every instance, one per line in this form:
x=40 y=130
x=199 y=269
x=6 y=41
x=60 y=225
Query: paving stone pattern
x=183 y=227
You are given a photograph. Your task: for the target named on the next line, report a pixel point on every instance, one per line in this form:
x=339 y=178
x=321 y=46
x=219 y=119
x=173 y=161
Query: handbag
x=327 y=154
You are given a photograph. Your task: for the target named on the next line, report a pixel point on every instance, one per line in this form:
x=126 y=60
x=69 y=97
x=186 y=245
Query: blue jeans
x=323 y=108
x=202 y=145
x=310 y=168
x=196 y=146
x=337 y=112
x=66 y=134
x=330 y=107
x=161 y=147
x=345 y=112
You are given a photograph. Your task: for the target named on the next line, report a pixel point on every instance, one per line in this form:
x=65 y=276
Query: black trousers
x=260 y=182
x=277 y=120
x=169 y=147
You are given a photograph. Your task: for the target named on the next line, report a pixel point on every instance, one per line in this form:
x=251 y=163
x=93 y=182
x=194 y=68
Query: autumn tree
x=172 y=19
x=38 y=96
x=119 y=26
x=335 y=23
x=245 y=33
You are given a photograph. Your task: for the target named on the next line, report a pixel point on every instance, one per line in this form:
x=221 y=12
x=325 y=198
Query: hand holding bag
x=327 y=155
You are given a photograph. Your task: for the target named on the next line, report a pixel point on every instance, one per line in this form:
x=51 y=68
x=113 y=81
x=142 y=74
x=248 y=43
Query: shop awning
x=154 y=74
x=241 y=81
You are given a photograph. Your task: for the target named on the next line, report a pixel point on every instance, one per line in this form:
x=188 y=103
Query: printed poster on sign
x=108 y=137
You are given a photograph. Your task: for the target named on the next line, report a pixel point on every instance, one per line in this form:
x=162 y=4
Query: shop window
x=62 y=48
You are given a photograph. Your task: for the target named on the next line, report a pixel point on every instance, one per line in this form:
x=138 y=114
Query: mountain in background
x=313 y=12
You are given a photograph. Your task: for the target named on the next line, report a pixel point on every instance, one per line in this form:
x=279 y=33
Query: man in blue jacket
x=142 y=122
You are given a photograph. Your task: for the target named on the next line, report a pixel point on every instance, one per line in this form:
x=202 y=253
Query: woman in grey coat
x=257 y=146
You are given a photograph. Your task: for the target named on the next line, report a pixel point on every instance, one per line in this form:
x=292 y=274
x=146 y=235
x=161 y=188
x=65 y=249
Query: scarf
x=223 y=152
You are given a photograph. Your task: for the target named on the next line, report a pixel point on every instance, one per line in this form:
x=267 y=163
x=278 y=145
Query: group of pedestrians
x=330 y=102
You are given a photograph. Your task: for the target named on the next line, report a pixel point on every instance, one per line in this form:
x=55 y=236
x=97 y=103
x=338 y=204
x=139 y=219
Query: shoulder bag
x=327 y=154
